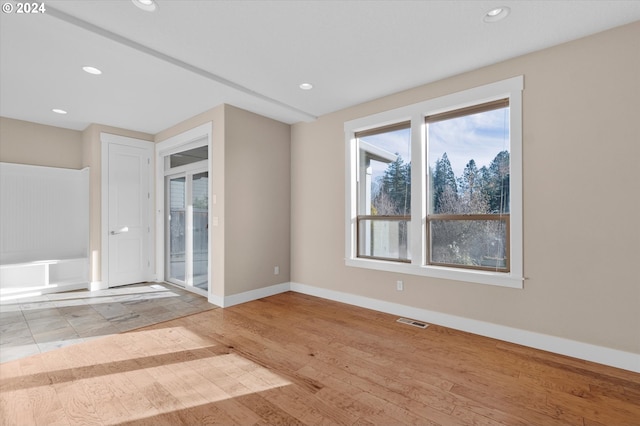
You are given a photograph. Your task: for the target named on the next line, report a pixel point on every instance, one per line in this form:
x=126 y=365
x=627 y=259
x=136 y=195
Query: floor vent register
x=413 y=322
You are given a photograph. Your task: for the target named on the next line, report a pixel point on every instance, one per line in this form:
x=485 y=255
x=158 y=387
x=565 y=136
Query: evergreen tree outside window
x=449 y=203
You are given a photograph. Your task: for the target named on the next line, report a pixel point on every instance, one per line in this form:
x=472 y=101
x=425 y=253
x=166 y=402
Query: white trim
x=248 y=296
x=104 y=212
x=457 y=274
x=97 y=285
x=124 y=140
x=511 y=88
x=585 y=351
x=185 y=140
x=418 y=175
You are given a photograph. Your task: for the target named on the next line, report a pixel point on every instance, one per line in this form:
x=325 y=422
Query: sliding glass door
x=187 y=230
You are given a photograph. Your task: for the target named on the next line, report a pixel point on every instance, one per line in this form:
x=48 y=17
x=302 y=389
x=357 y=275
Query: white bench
x=43 y=276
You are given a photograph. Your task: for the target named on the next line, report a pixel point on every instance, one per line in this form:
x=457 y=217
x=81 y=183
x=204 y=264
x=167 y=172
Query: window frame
x=416 y=113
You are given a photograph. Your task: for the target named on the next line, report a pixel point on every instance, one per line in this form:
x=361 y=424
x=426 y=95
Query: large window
x=434 y=188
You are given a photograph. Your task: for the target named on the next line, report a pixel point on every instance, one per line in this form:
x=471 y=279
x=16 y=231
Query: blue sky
x=479 y=137
x=396 y=142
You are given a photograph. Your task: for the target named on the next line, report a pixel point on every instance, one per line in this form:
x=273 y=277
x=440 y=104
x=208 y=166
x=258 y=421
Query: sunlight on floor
x=99 y=296
x=116 y=291
x=195 y=370
x=47 y=322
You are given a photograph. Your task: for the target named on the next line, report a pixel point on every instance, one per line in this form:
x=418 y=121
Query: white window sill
x=500 y=279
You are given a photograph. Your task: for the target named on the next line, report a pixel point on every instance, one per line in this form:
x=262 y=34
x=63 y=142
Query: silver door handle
x=120 y=231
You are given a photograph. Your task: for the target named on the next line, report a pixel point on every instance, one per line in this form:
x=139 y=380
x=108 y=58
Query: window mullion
x=418 y=191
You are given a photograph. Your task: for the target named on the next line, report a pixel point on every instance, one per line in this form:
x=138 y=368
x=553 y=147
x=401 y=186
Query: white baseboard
x=248 y=296
x=585 y=351
x=97 y=285
x=216 y=300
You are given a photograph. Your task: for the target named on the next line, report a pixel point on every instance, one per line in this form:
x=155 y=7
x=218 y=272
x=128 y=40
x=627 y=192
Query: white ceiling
x=163 y=67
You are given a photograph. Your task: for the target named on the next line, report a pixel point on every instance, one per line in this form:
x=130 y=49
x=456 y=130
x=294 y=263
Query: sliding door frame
x=187 y=172
x=196 y=137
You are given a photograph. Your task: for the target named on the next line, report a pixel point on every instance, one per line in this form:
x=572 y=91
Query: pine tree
x=445 y=188
x=469 y=180
x=496 y=183
x=394 y=194
x=472 y=198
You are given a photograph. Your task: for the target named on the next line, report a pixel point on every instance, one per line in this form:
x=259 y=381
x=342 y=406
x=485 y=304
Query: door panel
x=200 y=230
x=177 y=230
x=129 y=180
x=187 y=232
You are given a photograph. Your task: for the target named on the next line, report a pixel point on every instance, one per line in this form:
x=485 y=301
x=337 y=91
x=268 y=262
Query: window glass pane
x=189 y=156
x=386 y=239
x=472 y=243
x=385 y=173
x=200 y=236
x=177 y=228
x=469 y=163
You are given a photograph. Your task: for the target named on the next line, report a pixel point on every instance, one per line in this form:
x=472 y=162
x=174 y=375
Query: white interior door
x=129 y=207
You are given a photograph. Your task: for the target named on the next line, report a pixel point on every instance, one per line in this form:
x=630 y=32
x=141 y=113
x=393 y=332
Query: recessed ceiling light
x=306 y=86
x=92 y=70
x=496 y=14
x=59 y=111
x=148 y=5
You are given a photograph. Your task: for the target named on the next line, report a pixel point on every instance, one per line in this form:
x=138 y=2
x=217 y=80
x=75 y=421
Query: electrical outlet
x=399 y=285
x=276 y=270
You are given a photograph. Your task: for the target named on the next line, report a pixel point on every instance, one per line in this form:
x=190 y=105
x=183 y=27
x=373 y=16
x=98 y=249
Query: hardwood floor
x=296 y=359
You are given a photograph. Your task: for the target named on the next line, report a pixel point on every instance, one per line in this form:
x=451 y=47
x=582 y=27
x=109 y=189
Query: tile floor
x=39 y=324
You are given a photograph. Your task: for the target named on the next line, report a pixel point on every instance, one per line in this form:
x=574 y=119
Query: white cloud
x=396 y=142
x=479 y=137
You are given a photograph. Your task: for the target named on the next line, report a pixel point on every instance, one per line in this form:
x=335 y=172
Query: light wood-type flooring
x=297 y=359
